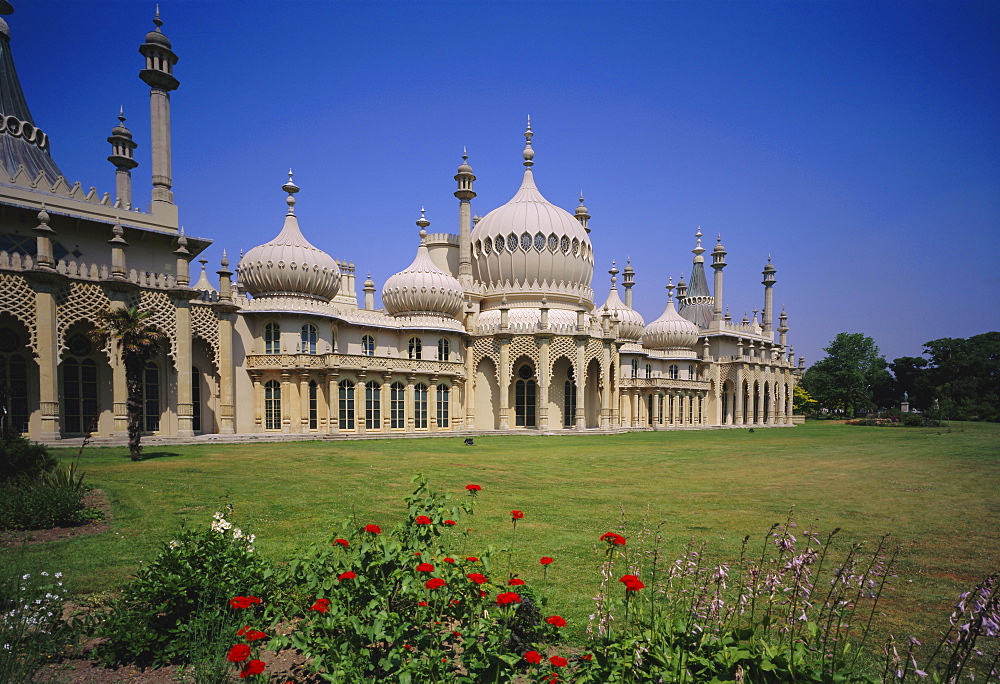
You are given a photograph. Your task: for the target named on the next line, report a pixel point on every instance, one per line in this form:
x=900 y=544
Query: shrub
x=31 y=625
x=21 y=459
x=36 y=506
x=179 y=593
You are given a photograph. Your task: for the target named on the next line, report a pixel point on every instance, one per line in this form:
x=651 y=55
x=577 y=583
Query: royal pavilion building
x=493 y=328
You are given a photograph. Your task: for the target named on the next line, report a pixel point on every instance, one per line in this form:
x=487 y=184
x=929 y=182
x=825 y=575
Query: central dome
x=529 y=246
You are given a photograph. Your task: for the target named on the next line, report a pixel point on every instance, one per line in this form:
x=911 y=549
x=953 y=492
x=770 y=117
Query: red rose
x=632 y=583
x=613 y=539
x=449 y=560
x=422 y=520
x=435 y=583
x=254 y=667
x=556 y=621
x=516 y=515
x=515 y=582
x=472 y=559
x=473 y=488
x=238 y=653
x=545 y=560
x=347 y=575
x=508 y=597
x=342 y=542
x=374 y=529
x=425 y=567
x=557 y=661
x=533 y=657
x=477 y=578
x=449 y=523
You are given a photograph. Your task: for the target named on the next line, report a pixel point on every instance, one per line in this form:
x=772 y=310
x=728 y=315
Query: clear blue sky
x=857 y=143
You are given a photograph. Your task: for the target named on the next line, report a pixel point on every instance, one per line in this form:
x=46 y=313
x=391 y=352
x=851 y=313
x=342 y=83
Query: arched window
x=79 y=388
x=368 y=345
x=272 y=339
x=13 y=383
x=346 y=404
x=373 y=406
x=649 y=370
x=151 y=398
x=420 y=405
x=524 y=397
x=313 y=405
x=415 y=348
x=673 y=372
x=444 y=349
x=443 y=413
x=309 y=335
x=635 y=368
x=272 y=405
x=569 y=400
x=195 y=399
x=397 y=406
x=692 y=373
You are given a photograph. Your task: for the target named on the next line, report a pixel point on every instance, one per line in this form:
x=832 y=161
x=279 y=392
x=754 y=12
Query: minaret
x=159 y=76
x=583 y=216
x=768 y=284
x=682 y=288
x=718 y=263
x=783 y=330
x=122 y=146
x=464 y=194
x=369 y=288
x=628 y=281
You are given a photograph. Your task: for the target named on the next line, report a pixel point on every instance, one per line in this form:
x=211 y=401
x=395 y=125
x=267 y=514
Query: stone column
x=759 y=404
x=469 y=393
x=634 y=410
x=385 y=402
x=738 y=400
x=432 y=405
x=286 y=400
x=580 y=378
x=408 y=403
x=657 y=417
x=505 y=373
x=322 y=415
x=258 y=401
x=48 y=359
x=185 y=407
x=543 y=382
x=334 y=402
x=303 y=402
x=227 y=423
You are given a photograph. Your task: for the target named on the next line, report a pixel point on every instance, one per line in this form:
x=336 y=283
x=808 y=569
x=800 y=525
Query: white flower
x=237 y=533
x=45 y=574
x=174 y=544
x=251 y=538
x=58 y=575
x=26 y=576
x=249 y=549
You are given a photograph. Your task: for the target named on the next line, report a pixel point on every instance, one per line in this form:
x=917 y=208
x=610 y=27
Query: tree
x=802 y=401
x=137 y=341
x=913 y=380
x=965 y=375
x=849 y=377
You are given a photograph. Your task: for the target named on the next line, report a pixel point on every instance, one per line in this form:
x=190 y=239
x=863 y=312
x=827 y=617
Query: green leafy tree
x=965 y=375
x=852 y=377
x=910 y=376
x=802 y=401
x=137 y=340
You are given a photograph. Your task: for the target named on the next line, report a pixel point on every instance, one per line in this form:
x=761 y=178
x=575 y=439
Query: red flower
x=449 y=523
x=321 y=605
x=422 y=520
x=342 y=542
x=448 y=559
x=453 y=602
x=374 y=529
x=516 y=515
x=482 y=594
x=477 y=578
x=515 y=582
x=473 y=488
x=425 y=567
x=533 y=657
x=241 y=602
x=455 y=634
x=238 y=653
x=556 y=621
x=435 y=583
x=558 y=661
x=613 y=539
x=632 y=583
x=254 y=667
x=253 y=634
x=508 y=597
x=545 y=560
x=422 y=603
x=346 y=575
x=472 y=559
x=587 y=656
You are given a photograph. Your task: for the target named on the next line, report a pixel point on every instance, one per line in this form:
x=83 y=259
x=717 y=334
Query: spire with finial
x=614 y=274
x=465 y=194
x=528 y=154
x=122 y=147
x=698 y=249
x=291 y=188
x=628 y=281
x=670 y=289
x=158 y=74
x=423 y=223
x=582 y=214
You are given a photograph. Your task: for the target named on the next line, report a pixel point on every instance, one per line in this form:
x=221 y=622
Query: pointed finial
x=670 y=290
x=157 y=20
x=614 y=274
x=225 y=260
x=43 y=216
x=204 y=262
x=291 y=188
x=465 y=153
x=528 y=153
x=423 y=223
x=121 y=114
x=182 y=241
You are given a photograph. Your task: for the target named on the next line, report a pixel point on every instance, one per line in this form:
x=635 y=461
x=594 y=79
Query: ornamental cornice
x=663 y=383
x=336 y=363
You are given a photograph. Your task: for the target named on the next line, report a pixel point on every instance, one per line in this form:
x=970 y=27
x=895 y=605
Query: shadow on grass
x=156 y=454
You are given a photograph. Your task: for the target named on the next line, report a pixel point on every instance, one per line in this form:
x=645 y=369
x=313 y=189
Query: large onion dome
x=529 y=242
x=630 y=322
x=422 y=287
x=671 y=330
x=289 y=265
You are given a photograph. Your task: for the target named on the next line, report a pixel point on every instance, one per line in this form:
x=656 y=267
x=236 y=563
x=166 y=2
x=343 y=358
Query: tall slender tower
x=768 y=284
x=583 y=216
x=159 y=76
x=465 y=194
x=718 y=263
x=122 y=146
x=628 y=281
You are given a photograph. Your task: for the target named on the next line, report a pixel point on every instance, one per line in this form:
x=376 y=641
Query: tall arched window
x=309 y=336
x=79 y=388
x=635 y=368
x=443 y=411
x=397 y=406
x=373 y=406
x=649 y=370
x=692 y=373
x=151 y=398
x=569 y=400
x=420 y=405
x=673 y=372
x=346 y=404
x=13 y=382
x=444 y=349
x=524 y=397
x=368 y=345
x=415 y=348
x=272 y=339
x=195 y=399
x=272 y=405
x=313 y=405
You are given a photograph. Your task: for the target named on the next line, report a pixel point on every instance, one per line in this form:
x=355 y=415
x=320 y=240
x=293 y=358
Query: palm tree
x=138 y=341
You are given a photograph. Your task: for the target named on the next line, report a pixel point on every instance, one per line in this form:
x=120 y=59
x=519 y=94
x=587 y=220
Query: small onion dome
x=120 y=129
x=422 y=287
x=289 y=264
x=670 y=330
x=156 y=36
x=630 y=322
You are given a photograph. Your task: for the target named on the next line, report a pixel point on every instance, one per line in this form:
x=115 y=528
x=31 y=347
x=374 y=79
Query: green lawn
x=936 y=491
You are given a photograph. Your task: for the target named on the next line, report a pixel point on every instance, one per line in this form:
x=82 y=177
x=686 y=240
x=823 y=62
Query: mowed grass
x=936 y=491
